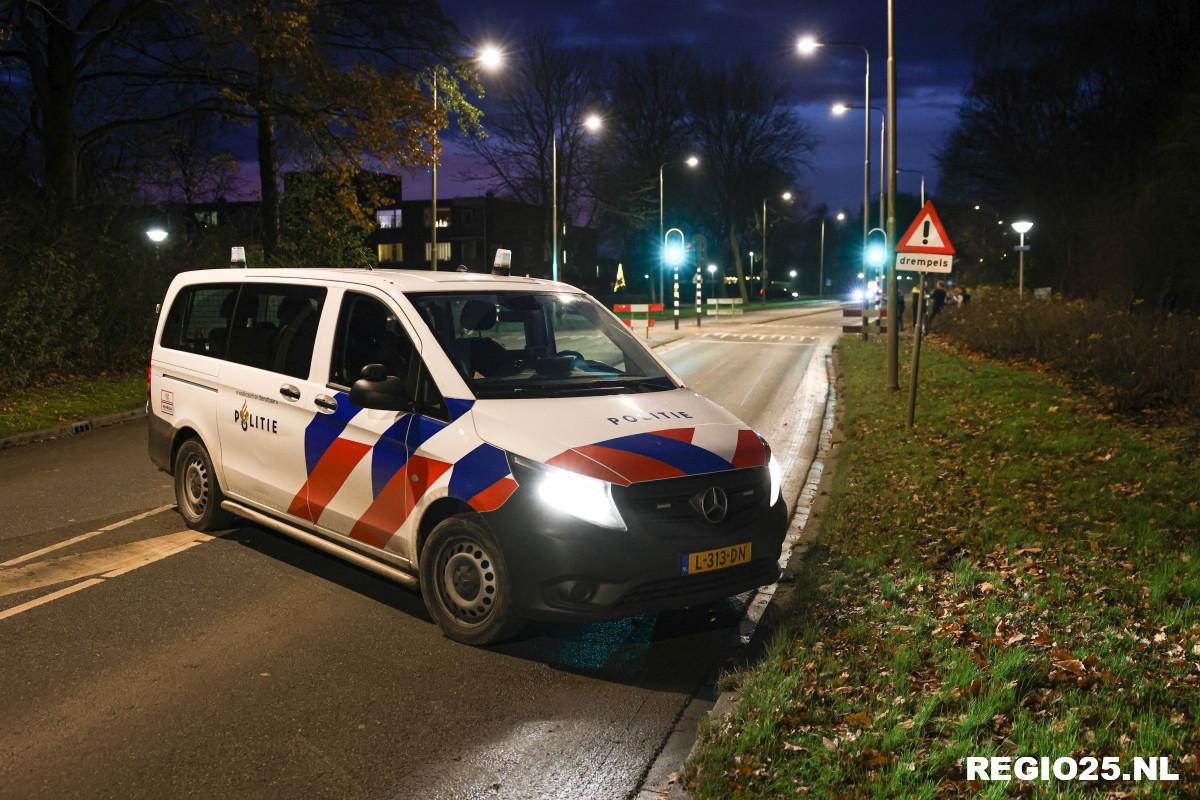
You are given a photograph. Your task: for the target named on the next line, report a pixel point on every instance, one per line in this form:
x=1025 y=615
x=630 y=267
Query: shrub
x=77 y=297
x=1139 y=359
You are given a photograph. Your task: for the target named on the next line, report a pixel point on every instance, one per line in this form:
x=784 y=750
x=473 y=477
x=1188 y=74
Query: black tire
x=466 y=584
x=198 y=495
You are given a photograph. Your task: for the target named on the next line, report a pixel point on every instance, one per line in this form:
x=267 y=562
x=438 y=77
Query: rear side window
x=198 y=321
x=275 y=327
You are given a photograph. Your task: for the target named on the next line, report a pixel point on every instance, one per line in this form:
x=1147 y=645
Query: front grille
x=703 y=586
x=665 y=507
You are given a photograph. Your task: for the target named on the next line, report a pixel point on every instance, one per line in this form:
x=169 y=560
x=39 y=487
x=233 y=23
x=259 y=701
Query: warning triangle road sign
x=926 y=235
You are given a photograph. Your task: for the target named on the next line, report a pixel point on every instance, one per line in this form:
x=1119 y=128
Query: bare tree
x=551 y=90
x=754 y=146
x=84 y=75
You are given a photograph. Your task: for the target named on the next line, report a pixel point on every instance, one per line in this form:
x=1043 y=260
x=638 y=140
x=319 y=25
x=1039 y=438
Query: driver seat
x=480 y=355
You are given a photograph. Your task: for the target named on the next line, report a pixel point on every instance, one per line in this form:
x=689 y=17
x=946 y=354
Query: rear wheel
x=465 y=583
x=197 y=493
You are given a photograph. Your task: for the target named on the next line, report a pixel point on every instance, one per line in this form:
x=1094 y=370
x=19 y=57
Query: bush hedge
x=1135 y=358
x=77 y=297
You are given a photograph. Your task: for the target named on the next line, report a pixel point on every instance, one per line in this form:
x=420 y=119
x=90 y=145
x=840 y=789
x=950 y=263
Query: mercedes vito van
x=505 y=444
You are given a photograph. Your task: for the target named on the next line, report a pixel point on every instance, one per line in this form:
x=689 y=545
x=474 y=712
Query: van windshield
x=538 y=344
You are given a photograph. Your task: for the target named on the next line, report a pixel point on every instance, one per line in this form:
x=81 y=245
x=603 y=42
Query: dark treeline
x=1084 y=115
x=111 y=111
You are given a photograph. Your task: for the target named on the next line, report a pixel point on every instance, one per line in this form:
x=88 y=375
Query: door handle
x=325 y=402
x=289 y=391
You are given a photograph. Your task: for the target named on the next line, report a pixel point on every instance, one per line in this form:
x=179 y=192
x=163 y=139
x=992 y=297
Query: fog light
x=578 y=591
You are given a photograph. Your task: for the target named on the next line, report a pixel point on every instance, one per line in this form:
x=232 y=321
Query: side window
x=199 y=319
x=275 y=327
x=368 y=332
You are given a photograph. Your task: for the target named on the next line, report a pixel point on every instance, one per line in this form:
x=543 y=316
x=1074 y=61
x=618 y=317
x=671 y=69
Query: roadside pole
x=699 y=295
x=916 y=355
x=923 y=248
x=893 y=291
x=677 y=298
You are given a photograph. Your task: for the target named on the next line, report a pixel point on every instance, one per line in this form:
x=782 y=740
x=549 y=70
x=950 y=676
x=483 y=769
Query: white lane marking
x=48 y=598
x=112 y=526
x=109 y=561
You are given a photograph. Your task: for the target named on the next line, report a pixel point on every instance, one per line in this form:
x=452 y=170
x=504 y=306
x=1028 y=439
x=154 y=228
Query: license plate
x=722 y=557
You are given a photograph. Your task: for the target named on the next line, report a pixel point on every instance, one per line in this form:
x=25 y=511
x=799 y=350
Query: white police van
x=504 y=443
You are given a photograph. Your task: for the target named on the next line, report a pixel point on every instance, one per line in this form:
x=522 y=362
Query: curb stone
x=71 y=428
x=667 y=776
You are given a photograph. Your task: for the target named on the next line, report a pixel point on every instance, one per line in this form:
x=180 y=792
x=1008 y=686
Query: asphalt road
x=148 y=661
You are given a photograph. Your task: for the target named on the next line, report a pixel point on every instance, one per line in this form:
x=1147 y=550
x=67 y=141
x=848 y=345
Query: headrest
x=478 y=315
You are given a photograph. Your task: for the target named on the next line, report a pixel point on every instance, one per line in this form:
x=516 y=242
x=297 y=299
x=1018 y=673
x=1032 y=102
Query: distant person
x=966 y=296
x=937 y=301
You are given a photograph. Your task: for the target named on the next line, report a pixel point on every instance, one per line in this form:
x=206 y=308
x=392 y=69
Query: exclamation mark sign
x=925 y=233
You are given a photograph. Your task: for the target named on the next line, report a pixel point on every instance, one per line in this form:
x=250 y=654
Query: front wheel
x=197 y=493
x=466 y=584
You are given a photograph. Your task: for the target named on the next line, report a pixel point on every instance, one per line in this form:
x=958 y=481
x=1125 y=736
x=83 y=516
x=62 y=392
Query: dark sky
x=934 y=44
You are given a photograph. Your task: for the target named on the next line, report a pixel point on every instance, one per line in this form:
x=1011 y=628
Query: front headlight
x=588 y=499
x=776 y=479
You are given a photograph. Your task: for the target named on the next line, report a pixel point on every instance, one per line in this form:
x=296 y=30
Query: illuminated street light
x=593 y=122
x=490 y=57
x=156 y=235
x=839 y=109
x=786 y=196
x=692 y=161
x=841 y=216
x=807 y=45
x=792 y=274
x=1022 y=227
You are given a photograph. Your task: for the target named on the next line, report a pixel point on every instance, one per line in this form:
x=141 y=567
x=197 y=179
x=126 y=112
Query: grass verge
x=1017 y=576
x=32 y=409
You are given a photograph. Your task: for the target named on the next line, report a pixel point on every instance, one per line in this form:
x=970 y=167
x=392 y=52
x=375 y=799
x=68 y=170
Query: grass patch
x=1017 y=576
x=32 y=409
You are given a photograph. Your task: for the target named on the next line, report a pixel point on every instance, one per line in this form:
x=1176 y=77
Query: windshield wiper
x=566 y=388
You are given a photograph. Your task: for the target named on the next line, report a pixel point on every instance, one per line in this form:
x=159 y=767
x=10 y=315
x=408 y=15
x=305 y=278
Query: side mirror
x=376 y=389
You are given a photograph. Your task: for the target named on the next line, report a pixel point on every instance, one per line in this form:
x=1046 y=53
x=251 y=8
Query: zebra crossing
x=764 y=338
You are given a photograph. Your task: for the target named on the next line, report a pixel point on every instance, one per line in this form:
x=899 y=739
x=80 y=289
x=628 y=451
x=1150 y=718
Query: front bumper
x=567 y=569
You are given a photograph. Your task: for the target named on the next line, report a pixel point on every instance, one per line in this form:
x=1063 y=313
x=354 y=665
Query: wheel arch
x=439 y=510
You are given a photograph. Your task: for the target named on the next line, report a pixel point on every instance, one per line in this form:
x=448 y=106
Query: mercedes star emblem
x=712 y=504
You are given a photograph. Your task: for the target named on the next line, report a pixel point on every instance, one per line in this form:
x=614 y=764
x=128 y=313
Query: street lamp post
x=1022 y=227
x=592 y=123
x=156 y=235
x=842 y=108
x=807 y=46
x=692 y=162
x=787 y=198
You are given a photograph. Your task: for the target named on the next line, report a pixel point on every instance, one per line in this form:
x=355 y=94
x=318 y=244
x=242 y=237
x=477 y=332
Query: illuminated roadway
x=148 y=661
